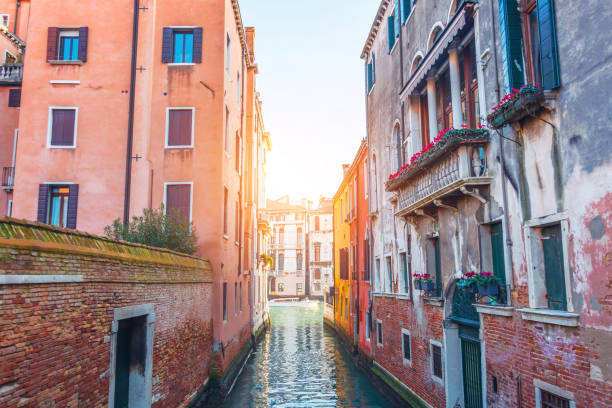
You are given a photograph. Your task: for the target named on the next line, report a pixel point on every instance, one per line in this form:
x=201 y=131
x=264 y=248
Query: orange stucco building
x=122 y=114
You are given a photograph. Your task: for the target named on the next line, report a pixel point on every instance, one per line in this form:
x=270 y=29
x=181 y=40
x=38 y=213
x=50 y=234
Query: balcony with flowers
x=450 y=166
x=516 y=105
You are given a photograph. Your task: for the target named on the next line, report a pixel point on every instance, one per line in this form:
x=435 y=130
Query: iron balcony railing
x=8 y=178
x=11 y=73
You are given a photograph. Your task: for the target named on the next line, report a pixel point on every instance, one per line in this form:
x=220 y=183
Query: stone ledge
x=557 y=317
x=506 y=311
x=434 y=301
x=39 y=279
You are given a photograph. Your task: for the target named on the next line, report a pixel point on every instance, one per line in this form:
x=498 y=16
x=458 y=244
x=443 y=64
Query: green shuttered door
x=512 y=53
x=549 y=59
x=472 y=379
x=553 y=265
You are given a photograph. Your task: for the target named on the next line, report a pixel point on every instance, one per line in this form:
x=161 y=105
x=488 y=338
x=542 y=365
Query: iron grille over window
x=550 y=400
x=436 y=352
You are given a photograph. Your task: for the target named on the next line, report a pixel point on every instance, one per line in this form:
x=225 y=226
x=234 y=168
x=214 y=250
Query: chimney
x=250 y=39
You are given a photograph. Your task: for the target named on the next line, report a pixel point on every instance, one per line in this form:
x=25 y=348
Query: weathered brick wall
x=55 y=347
x=397 y=314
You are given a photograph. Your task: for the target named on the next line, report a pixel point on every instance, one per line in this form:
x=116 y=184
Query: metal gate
x=472 y=378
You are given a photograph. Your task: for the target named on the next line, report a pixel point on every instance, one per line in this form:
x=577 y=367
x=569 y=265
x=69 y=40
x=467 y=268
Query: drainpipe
x=242 y=170
x=130 y=136
x=508 y=246
x=16 y=16
x=372 y=274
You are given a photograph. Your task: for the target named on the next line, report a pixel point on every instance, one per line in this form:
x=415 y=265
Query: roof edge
x=382 y=9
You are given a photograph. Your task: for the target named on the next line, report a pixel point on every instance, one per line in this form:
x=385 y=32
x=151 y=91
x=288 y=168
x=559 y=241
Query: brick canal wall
x=63 y=296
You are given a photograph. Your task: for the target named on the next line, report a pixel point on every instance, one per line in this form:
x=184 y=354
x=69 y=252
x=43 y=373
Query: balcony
x=449 y=170
x=8 y=178
x=11 y=74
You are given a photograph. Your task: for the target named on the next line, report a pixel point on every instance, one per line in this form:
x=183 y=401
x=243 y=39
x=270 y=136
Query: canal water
x=301 y=364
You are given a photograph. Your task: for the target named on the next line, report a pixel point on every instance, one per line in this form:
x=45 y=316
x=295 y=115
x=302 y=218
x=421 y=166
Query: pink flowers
x=514 y=94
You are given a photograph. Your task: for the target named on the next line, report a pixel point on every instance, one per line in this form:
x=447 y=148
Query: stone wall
x=61 y=294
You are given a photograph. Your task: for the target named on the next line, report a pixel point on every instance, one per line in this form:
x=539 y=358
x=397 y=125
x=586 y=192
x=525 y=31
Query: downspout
x=130 y=136
x=508 y=246
x=242 y=149
x=16 y=16
x=371 y=243
x=400 y=152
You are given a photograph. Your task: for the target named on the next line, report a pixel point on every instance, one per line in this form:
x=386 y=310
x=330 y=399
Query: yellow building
x=342 y=257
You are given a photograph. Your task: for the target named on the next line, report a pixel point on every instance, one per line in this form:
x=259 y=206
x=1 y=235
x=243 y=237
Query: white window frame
x=175 y=183
x=433 y=343
x=379 y=333
x=533 y=267
x=377 y=277
x=9 y=209
x=400 y=279
x=368 y=329
x=50 y=127
x=553 y=389
x=180 y=28
x=406 y=361
x=228 y=54
x=8 y=19
x=388 y=285
x=168 y=109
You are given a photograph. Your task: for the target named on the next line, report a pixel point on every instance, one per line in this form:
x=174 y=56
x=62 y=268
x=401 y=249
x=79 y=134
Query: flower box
x=516 y=106
x=425 y=285
x=489 y=290
x=446 y=141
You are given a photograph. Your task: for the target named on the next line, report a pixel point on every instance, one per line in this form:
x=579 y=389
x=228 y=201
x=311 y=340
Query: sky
x=311 y=81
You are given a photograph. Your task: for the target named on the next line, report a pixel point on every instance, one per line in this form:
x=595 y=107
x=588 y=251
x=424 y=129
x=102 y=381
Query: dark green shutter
x=497 y=249
x=511 y=41
x=438 y=268
x=549 y=58
x=405 y=10
x=391 y=31
x=197 y=44
x=167 y=45
x=43 y=203
x=373 y=68
x=83 y=38
x=553 y=267
x=397 y=18
x=472 y=377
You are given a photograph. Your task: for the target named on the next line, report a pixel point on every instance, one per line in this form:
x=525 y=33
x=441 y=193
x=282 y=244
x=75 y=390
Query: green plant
x=485 y=278
x=422 y=278
x=157 y=229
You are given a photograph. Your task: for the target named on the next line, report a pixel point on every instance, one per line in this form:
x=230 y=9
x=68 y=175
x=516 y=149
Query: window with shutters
x=62 y=127
x=540 y=43
x=179 y=127
x=58 y=206
x=406 y=347
x=388 y=275
x=281 y=262
x=366 y=259
x=14 y=98
x=393 y=26
x=4 y=20
x=225 y=210
x=404 y=275
x=67 y=45
x=317 y=274
x=435 y=350
x=182 y=45
x=379 y=333
x=344 y=263
x=511 y=42
x=368 y=325
x=177 y=200
x=371 y=72
x=237 y=222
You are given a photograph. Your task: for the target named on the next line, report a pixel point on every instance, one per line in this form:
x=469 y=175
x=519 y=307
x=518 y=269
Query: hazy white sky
x=311 y=81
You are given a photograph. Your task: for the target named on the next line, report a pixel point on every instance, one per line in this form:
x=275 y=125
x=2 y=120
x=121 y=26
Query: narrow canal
x=301 y=364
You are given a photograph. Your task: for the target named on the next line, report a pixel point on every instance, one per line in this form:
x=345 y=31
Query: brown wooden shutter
x=83 y=34
x=178 y=200
x=167 y=45
x=179 y=127
x=43 y=202
x=197 y=44
x=52 y=44
x=62 y=130
x=73 y=201
x=14 y=98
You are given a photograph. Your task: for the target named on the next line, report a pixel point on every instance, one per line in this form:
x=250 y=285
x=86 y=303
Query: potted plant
x=487 y=284
x=466 y=282
x=423 y=281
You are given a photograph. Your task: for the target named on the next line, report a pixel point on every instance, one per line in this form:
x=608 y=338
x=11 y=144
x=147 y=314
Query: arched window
x=452 y=10
x=298 y=260
x=435 y=34
x=415 y=62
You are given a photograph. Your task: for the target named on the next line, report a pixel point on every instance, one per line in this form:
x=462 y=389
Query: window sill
x=178 y=64
x=506 y=311
x=434 y=301
x=65 y=62
x=556 y=317
x=60 y=147
x=179 y=147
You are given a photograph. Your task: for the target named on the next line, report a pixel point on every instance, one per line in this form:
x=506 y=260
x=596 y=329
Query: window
x=317 y=287
x=225 y=209
x=366 y=260
x=406 y=9
x=368 y=325
x=378 y=282
x=424 y=118
x=177 y=200
x=299 y=237
x=69 y=46
x=299 y=260
x=227 y=54
x=237 y=222
x=389 y=275
x=316 y=223
x=14 y=98
x=299 y=287
x=393 y=26
x=371 y=73
x=379 y=333
x=227 y=130
x=281 y=236
x=281 y=262
x=317 y=251
x=406 y=347
x=182 y=45
x=374 y=197
x=435 y=349
x=58 y=206
x=541 y=55
x=238 y=89
x=238 y=153
x=344 y=263
x=224 y=301
x=510 y=38
x=281 y=287
x=405 y=279
x=433 y=264
x=9 y=58
x=468 y=80
x=550 y=400
x=346 y=308
x=317 y=274
x=240 y=294
x=179 y=127
x=9 y=210
x=365 y=179
x=4 y=20
x=62 y=129
x=235 y=298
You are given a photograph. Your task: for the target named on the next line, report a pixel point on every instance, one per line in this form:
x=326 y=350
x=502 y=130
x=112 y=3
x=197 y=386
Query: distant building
x=320 y=247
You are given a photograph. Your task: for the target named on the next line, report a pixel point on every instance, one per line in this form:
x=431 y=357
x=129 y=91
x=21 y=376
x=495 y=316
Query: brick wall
x=397 y=314
x=55 y=347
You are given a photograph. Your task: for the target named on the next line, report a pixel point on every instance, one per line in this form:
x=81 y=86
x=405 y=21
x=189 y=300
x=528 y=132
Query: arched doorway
x=464 y=338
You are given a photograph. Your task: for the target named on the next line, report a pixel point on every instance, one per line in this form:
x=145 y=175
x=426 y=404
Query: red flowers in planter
x=514 y=94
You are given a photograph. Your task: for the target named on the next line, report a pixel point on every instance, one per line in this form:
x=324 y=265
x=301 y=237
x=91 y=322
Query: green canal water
x=301 y=364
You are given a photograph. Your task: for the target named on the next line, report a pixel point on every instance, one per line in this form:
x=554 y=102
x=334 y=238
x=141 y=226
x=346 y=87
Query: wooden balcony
x=11 y=74
x=452 y=171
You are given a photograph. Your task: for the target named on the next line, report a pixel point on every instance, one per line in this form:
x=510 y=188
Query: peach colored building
x=122 y=114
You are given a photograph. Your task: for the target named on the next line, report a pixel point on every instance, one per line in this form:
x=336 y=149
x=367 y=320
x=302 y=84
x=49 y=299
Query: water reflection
x=299 y=364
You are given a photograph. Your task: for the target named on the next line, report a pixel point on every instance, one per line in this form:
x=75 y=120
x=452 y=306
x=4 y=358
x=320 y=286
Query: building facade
x=463 y=179
x=119 y=115
x=320 y=243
